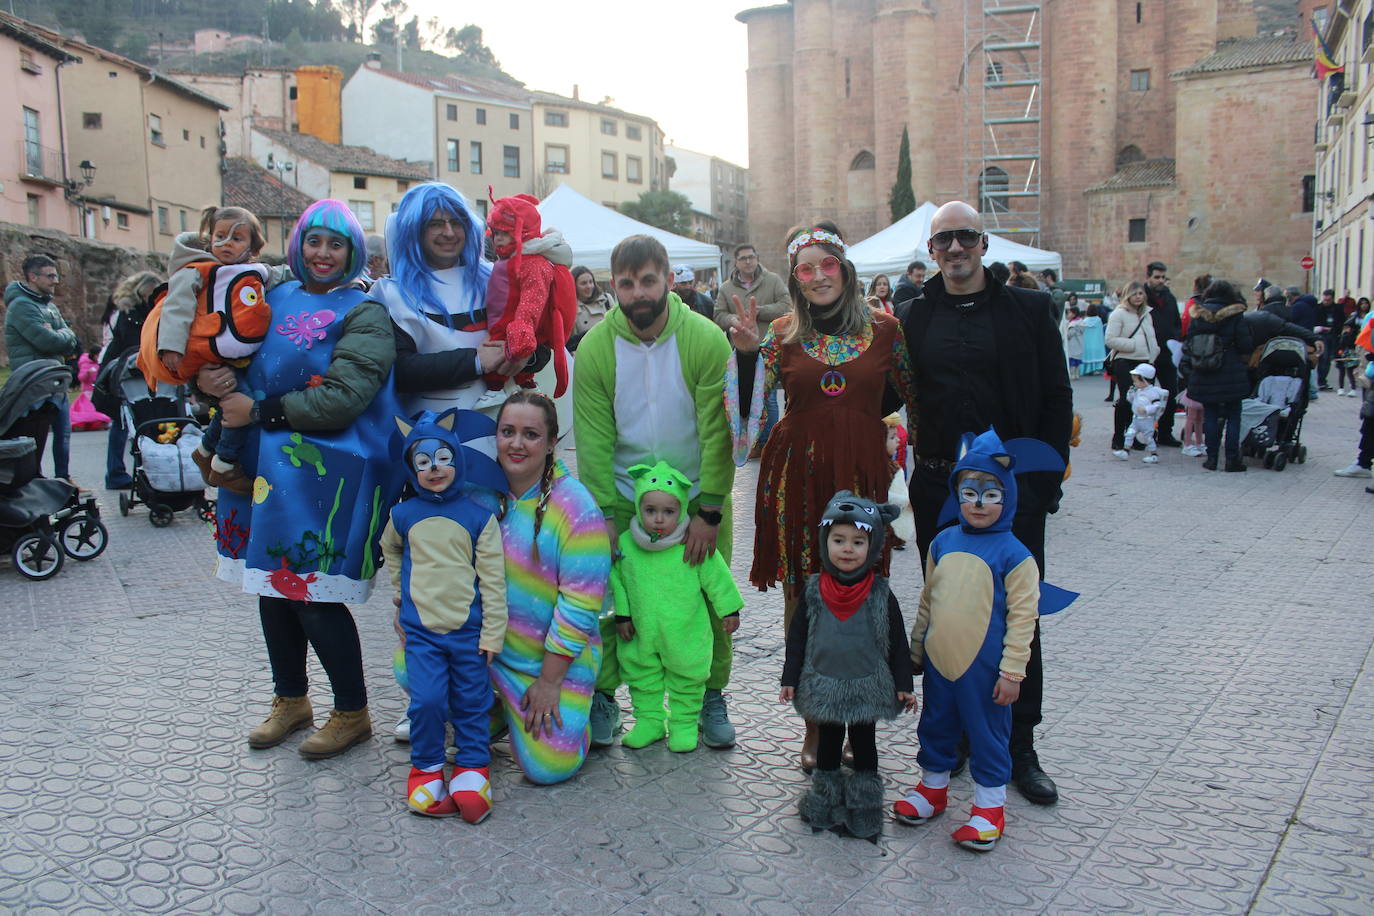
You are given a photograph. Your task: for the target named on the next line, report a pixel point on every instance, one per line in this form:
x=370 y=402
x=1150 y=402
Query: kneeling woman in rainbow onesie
x=444 y=553
x=973 y=630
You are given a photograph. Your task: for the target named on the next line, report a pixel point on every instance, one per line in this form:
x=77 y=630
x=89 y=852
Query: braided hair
x=545 y=404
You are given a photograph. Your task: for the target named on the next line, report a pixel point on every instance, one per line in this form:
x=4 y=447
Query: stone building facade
x=1111 y=99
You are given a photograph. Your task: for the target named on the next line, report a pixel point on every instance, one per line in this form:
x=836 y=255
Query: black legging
x=862 y=741
x=289 y=626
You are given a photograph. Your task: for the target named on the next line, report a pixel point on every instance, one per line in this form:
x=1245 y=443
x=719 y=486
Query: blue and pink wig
x=404 y=231
x=334 y=216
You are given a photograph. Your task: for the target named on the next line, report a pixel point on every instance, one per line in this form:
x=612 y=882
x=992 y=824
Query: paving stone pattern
x=1208 y=718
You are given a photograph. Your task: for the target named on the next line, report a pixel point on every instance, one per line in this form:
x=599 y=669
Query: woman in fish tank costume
x=320 y=406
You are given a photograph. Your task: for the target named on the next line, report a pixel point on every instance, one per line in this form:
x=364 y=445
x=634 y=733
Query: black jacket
x=902 y=294
x=1265 y=325
x=1165 y=316
x=1232 y=381
x=1032 y=374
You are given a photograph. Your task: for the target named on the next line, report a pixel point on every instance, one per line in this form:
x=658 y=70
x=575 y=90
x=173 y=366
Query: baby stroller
x=1273 y=418
x=162 y=435
x=41 y=521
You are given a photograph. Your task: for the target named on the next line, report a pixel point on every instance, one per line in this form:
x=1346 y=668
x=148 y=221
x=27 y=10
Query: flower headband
x=814 y=237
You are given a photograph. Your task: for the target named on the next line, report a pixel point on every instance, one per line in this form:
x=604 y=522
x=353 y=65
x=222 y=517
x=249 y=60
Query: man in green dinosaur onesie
x=648 y=388
x=662 y=616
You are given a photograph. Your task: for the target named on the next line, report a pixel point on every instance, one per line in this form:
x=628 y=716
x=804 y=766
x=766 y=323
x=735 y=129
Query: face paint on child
x=432 y=461
x=659 y=512
x=980 y=499
x=847 y=546
x=230 y=241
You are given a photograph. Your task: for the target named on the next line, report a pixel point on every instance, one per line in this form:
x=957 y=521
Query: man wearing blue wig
x=436 y=296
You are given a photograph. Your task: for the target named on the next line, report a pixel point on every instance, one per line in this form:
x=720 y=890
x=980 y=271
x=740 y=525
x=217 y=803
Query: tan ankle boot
x=342 y=731
x=288 y=714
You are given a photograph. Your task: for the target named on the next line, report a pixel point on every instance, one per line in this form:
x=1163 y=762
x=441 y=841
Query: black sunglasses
x=967 y=238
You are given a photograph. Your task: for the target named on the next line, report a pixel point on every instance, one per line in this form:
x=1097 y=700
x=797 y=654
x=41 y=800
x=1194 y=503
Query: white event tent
x=892 y=249
x=593 y=230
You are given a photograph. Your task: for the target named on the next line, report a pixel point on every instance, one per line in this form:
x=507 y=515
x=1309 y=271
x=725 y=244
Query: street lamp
x=280 y=166
x=73 y=187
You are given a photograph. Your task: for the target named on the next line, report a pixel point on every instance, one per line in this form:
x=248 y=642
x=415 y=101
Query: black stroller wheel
x=1302 y=454
x=124 y=504
x=1280 y=461
x=84 y=538
x=1269 y=459
x=37 y=555
x=161 y=516
x=205 y=509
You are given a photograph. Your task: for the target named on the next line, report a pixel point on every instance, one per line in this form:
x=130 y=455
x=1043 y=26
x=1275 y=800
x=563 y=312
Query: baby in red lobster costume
x=540 y=301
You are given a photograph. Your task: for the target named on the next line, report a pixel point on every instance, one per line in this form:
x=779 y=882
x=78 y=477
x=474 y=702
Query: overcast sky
x=680 y=63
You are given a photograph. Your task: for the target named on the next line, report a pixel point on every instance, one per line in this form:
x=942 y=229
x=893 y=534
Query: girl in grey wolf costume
x=848 y=664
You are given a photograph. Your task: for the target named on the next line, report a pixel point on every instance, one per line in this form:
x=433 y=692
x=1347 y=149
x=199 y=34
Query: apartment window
x=514 y=121
x=556 y=159
x=634 y=169
x=363 y=210
x=27 y=63
x=1309 y=193
x=556 y=118
x=608 y=127
x=632 y=132
x=35 y=205
x=609 y=166
x=1140 y=80
x=33 y=143
x=121 y=220
x=164 y=222
x=359 y=183
x=451 y=112
x=91 y=120
x=475 y=158
x=482 y=207
x=510 y=161
x=1135 y=231
x=402 y=186
x=202 y=142
x=291 y=93
x=453 y=155
x=181 y=218
x=155 y=129
x=481 y=116
x=186 y=136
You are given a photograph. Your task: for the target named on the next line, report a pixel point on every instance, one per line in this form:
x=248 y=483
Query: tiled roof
x=1150 y=173
x=562 y=101
x=16 y=28
x=461 y=85
x=360 y=160
x=1243 y=53
x=249 y=185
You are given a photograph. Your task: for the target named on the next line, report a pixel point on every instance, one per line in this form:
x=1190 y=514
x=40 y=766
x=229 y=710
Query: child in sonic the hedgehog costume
x=848 y=665
x=446 y=561
x=661 y=611
x=972 y=634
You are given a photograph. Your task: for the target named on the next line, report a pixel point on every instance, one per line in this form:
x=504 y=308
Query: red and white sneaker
x=983 y=830
x=921 y=804
x=470 y=791
x=425 y=794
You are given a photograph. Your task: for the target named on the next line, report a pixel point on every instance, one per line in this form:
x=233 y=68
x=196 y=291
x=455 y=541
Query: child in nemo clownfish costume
x=446 y=560
x=214 y=311
x=540 y=306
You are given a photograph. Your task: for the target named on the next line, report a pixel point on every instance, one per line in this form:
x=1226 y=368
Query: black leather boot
x=1029 y=779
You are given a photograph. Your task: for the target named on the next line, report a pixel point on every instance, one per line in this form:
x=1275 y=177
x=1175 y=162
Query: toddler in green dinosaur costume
x=662 y=611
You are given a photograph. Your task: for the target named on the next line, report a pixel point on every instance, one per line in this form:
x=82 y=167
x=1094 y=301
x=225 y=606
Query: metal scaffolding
x=1003 y=74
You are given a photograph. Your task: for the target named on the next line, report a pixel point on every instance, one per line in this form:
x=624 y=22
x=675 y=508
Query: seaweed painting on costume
x=320 y=499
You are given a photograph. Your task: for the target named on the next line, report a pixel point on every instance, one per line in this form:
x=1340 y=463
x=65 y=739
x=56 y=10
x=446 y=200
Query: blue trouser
x=62 y=439
x=115 y=471
x=950 y=708
x=224 y=442
x=448 y=683
x=771 y=414
x=1213 y=416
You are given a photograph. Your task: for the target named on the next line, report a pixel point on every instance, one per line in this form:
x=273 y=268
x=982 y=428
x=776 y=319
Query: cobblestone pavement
x=1209 y=719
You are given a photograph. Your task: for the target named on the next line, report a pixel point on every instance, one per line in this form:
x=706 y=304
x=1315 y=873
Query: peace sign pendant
x=833 y=383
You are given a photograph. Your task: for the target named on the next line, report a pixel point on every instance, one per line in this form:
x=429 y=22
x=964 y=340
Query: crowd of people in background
x=527 y=595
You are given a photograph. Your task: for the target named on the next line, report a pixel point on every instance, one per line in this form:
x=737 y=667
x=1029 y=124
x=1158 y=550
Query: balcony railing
x=39 y=162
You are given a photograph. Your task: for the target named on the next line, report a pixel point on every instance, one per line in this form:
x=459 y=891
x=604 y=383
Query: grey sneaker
x=605 y=719
x=1354 y=471
x=716 y=730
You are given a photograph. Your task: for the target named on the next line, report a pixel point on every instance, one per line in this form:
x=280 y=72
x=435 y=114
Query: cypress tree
x=903 y=199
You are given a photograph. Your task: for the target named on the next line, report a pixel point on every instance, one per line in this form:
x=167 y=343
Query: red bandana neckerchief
x=843 y=600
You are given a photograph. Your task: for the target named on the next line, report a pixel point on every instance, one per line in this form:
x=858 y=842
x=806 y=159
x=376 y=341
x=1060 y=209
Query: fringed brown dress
x=831 y=438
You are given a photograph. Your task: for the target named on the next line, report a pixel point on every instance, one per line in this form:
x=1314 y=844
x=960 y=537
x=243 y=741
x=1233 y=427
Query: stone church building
x=1116 y=132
